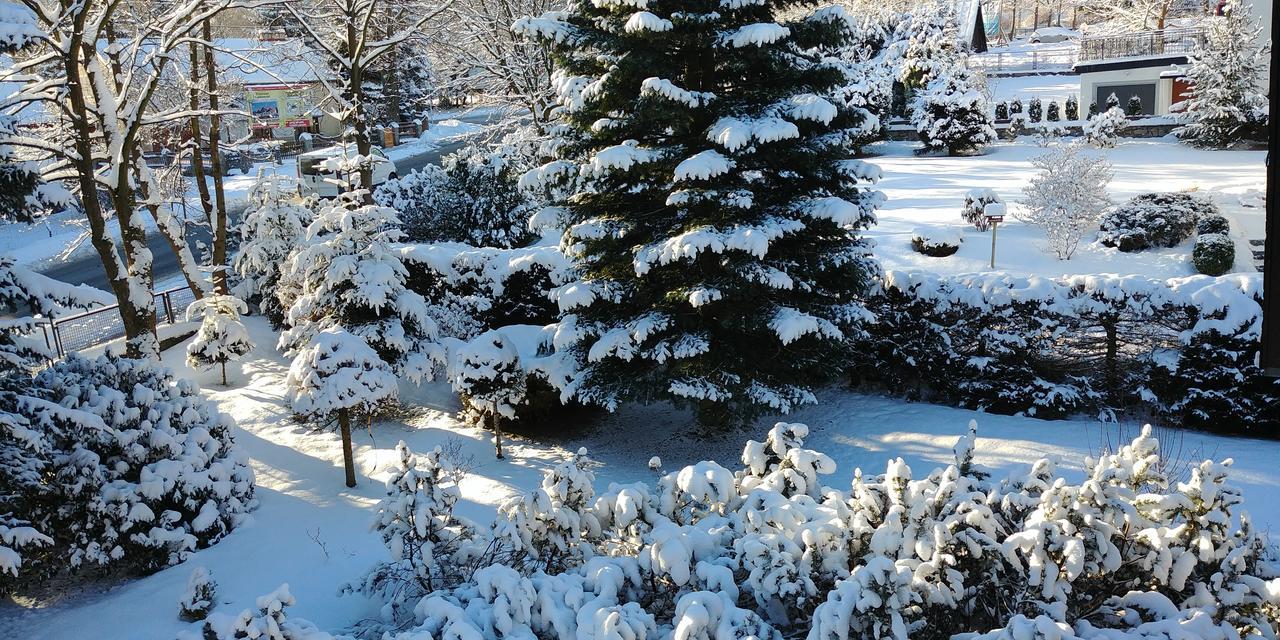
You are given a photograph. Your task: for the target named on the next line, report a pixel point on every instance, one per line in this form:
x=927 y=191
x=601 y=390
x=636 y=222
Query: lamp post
x=994 y=212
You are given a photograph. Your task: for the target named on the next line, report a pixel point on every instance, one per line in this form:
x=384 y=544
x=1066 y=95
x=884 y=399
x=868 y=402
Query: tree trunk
x=356 y=115
x=497 y=435
x=197 y=147
x=220 y=284
x=167 y=227
x=137 y=316
x=348 y=458
x=224 y=374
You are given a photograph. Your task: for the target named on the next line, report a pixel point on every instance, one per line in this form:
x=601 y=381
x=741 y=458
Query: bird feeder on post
x=994 y=213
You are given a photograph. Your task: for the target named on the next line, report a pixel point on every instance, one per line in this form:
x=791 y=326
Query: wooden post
x=497 y=434
x=994 y=224
x=348 y=458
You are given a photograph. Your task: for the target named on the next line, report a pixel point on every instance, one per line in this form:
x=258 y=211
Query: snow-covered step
x=1259 y=254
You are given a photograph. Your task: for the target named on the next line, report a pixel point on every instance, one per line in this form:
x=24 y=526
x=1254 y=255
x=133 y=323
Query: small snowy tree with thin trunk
x=488 y=373
x=338 y=375
x=1102 y=129
x=349 y=275
x=1067 y=197
x=1228 y=76
x=221 y=337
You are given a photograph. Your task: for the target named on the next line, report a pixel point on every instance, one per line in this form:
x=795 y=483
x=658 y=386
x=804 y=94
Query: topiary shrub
x=1153 y=220
x=1002 y=111
x=1053 y=113
x=1035 y=111
x=1134 y=106
x=1072 y=108
x=937 y=242
x=1213 y=223
x=1015 y=107
x=1214 y=254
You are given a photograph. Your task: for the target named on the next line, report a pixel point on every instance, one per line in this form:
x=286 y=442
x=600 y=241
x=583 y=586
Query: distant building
x=1148 y=64
x=278 y=87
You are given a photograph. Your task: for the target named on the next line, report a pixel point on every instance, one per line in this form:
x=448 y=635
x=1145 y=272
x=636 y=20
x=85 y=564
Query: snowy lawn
x=312 y=532
x=931 y=190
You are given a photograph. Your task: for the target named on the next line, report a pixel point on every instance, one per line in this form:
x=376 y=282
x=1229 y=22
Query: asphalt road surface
x=86 y=268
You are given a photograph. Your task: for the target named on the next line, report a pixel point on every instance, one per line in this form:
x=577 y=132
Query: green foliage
x=1153 y=220
x=715 y=226
x=1214 y=254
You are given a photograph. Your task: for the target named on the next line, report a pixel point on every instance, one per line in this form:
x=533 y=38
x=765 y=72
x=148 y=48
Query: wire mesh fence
x=103 y=324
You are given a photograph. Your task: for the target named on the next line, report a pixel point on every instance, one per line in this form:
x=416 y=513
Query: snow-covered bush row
x=1182 y=348
x=1154 y=220
x=475 y=289
x=785 y=547
x=112 y=464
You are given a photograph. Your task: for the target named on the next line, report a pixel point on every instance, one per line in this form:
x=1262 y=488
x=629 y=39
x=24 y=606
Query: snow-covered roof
x=256 y=62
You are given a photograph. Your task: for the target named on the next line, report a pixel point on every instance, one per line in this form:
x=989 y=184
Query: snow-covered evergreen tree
x=1072 y=108
x=274 y=225
x=951 y=114
x=717 y=212
x=221 y=338
x=198 y=599
x=349 y=276
x=1104 y=128
x=488 y=375
x=1229 y=82
x=338 y=375
x=933 y=48
x=1134 y=106
x=1067 y=197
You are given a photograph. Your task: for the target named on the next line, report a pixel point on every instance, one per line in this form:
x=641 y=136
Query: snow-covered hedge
x=118 y=466
x=1153 y=220
x=784 y=546
x=937 y=241
x=1182 y=348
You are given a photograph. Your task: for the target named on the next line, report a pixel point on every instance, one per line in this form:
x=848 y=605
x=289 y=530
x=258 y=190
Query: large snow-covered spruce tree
x=1229 y=77
x=715 y=225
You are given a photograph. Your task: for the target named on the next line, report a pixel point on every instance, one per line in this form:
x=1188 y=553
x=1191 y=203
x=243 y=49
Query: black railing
x=102 y=324
x=1166 y=42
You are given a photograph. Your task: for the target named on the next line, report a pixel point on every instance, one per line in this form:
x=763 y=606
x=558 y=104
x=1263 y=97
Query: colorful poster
x=276 y=106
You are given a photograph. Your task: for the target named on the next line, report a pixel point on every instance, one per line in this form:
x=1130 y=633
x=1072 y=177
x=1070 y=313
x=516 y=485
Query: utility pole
x=1271 y=256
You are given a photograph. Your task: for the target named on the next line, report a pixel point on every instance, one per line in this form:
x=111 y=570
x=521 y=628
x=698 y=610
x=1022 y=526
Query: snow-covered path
x=312 y=532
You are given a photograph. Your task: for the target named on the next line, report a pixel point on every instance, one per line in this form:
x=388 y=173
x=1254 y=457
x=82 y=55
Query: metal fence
x=1042 y=59
x=102 y=324
x=1169 y=42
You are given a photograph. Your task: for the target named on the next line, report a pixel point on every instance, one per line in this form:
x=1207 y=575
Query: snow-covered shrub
x=1035 y=111
x=1053 y=113
x=274 y=226
x=553 y=528
x=1002 y=111
x=1048 y=134
x=952 y=115
x=221 y=338
x=936 y=241
x=130 y=469
x=1134 y=106
x=429 y=545
x=770 y=552
x=474 y=197
x=349 y=275
x=1153 y=220
x=975 y=207
x=1073 y=108
x=1213 y=223
x=1066 y=198
x=1213 y=254
x=338 y=375
x=198 y=600
x=1015 y=107
x=1102 y=129
x=471 y=290
x=1085 y=344
x=268 y=622
x=1113 y=102
x=1228 y=75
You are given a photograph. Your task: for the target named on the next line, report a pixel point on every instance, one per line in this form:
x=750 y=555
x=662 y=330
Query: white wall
x=1149 y=75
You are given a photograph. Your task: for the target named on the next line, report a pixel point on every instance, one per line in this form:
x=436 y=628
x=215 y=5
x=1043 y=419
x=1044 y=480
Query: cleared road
x=86 y=268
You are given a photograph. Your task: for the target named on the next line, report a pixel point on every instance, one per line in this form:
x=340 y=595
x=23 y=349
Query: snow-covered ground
x=931 y=190
x=312 y=532
x=1046 y=88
